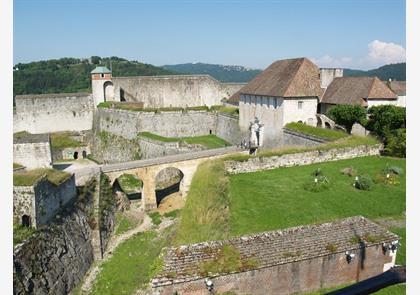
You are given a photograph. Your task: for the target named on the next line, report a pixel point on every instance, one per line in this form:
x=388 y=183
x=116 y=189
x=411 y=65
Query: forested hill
x=392 y=71
x=220 y=72
x=73 y=74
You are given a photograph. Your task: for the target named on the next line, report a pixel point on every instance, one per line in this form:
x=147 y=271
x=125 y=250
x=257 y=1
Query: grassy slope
x=210 y=141
x=275 y=199
x=131 y=266
x=130 y=183
x=205 y=215
x=327 y=134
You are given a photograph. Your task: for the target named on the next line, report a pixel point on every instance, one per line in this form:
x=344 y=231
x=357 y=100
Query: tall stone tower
x=102 y=87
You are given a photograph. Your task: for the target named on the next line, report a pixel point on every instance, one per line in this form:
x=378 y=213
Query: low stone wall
x=154 y=148
x=293 y=138
x=54 y=260
x=296 y=159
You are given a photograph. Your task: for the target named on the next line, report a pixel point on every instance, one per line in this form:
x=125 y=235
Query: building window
x=102 y=75
x=300 y=104
x=275 y=102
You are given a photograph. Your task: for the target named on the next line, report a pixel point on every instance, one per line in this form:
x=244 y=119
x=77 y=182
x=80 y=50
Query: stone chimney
x=327 y=75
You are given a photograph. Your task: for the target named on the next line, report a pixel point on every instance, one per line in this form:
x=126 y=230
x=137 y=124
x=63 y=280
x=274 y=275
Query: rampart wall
x=47 y=113
x=33 y=155
x=129 y=124
x=173 y=90
x=304 y=158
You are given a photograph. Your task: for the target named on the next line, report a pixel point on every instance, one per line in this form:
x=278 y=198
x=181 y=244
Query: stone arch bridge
x=147 y=170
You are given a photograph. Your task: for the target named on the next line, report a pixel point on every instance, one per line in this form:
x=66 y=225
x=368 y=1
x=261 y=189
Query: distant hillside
x=392 y=71
x=73 y=74
x=220 y=72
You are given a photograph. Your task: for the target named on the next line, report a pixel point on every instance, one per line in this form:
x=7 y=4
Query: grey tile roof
x=271 y=248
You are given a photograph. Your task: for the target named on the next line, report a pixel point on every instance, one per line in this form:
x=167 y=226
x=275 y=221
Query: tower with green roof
x=102 y=86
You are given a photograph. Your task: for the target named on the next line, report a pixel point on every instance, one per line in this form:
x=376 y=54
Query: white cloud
x=328 y=61
x=385 y=53
x=379 y=54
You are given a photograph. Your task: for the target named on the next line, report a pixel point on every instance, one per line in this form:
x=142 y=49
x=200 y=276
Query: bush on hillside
x=395 y=143
x=363 y=182
x=347 y=115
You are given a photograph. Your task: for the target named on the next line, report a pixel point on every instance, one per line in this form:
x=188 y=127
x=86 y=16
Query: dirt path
x=112 y=245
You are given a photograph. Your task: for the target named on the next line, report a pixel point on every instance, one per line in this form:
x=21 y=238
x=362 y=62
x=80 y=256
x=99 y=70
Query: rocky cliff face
x=55 y=259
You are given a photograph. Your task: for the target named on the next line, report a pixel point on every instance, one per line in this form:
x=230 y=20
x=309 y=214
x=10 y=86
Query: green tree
x=347 y=115
x=384 y=119
x=95 y=60
x=395 y=143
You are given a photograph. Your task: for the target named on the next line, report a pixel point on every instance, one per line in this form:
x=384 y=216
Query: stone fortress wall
x=173 y=90
x=44 y=113
x=32 y=151
x=129 y=124
x=41 y=201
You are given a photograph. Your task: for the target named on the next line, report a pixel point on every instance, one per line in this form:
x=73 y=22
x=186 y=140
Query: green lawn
x=62 y=140
x=210 y=141
x=274 y=199
x=21 y=233
x=327 y=134
x=30 y=177
x=131 y=266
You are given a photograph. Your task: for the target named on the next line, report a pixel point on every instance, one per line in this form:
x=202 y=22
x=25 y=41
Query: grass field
x=274 y=199
x=210 y=141
x=327 y=134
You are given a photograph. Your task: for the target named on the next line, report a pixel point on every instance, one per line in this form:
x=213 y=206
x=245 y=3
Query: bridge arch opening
x=128 y=186
x=168 y=187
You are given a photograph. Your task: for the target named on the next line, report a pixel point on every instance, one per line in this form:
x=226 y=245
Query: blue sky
x=347 y=33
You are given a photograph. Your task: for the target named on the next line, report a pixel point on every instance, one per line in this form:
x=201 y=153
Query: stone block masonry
x=32 y=150
x=42 y=201
x=47 y=113
x=173 y=90
x=304 y=158
x=294 y=260
x=129 y=124
x=293 y=138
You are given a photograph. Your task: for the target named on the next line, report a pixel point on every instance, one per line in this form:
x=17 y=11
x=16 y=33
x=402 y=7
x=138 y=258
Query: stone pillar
x=149 y=193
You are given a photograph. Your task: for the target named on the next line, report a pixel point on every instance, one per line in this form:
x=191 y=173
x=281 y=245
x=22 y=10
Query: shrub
x=394 y=170
x=347 y=115
x=319 y=184
x=317 y=172
x=363 y=182
x=155 y=216
x=395 y=143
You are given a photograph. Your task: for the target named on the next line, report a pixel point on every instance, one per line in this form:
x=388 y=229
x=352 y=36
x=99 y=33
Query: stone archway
x=168 y=186
x=108 y=91
x=26 y=220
